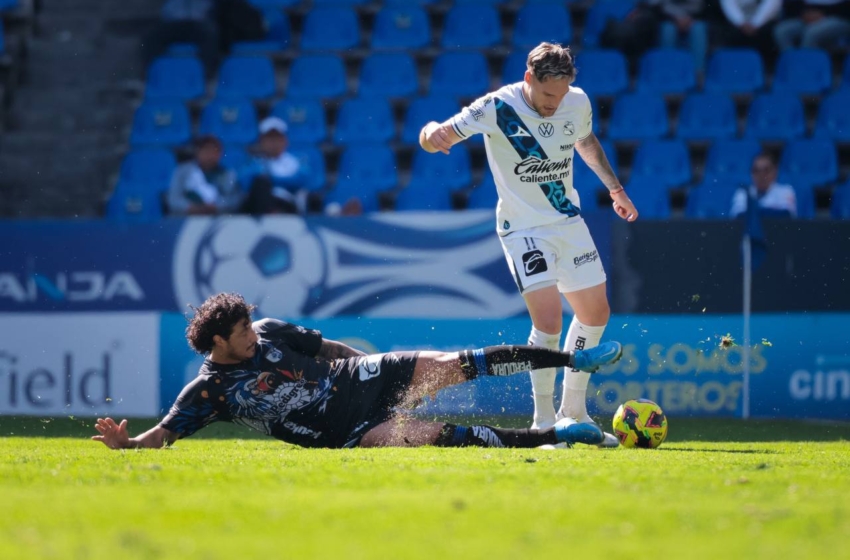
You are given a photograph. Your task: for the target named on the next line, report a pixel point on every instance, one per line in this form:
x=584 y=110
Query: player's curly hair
x=549 y=60
x=216 y=316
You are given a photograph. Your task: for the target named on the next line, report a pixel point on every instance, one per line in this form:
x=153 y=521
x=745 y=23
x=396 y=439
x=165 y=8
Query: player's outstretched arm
x=333 y=349
x=115 y=436
x=435 y=137
x=594 y=156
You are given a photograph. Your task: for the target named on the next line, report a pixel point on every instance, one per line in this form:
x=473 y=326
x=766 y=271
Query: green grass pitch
x=715 y=489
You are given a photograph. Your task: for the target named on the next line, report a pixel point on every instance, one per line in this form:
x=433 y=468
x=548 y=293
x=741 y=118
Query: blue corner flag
x=758 y=244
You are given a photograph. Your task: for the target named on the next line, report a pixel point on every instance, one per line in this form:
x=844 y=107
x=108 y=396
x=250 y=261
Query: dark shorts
x=368 y=392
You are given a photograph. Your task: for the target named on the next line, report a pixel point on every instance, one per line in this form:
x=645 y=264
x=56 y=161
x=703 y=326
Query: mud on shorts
x=561 y=254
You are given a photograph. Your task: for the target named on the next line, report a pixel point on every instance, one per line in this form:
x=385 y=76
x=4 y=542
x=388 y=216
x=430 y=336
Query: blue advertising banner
x=679 y=362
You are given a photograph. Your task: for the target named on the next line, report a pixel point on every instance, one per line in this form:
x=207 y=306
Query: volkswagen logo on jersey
x=569 y=128
x=546 y=129
x=534 y=262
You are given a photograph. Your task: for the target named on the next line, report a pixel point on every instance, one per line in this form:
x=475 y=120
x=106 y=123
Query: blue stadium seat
x=401 y=27
x=707 y=116
x=513 y=69
x=235 y=157
x=151 y=168
x=666 y=162
x=278 y=36
x=388 y=75
x=330 y=28
x=775 y=116
x=484 y=194
x=364 y=120
x=484 y=2
x=175 y=78
x=711 y=199
x=317 y=76
x=134 y=203
x=805 y=200
x=638 y=116
x=163 y=122
x=731 y=160
x=276 y=4
x=313 y=160
x=601 y=72
x=834 y=116
x=845 y=74
x=806 y=71
x=584 y=179
x=471 y=27
x=364 y=171
x=423 y=110
x=433 y=179
x=840 y=206
x=2 y=39
x=233 y=121
x=305 y=119
x=340 y=2
x=536 y=22
x=409 y=2
x=666 y=71
x=460 y=74
x=8 y=5
x=597 y=18
x=251 y=77
x=813 y=161
x=735 y=71
x=652 y=202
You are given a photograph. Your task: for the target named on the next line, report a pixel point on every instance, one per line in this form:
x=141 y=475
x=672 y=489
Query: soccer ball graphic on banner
x=640 y=423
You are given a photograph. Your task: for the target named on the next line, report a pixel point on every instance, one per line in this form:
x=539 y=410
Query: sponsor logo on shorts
x=585 y=258
x=370 y=367
x=534 y=262
x=301 y=430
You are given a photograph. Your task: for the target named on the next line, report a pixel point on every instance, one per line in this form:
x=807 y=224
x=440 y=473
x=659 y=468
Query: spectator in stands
x=773 y=198
x=682 y=26
x=634 y=34
x=817 y=24
x=203 y=185
x=750 y=23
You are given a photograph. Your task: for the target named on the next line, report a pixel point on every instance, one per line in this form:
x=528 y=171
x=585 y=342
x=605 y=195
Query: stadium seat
x=513 y=69
x=175 y=78
x=250 y=77
x=810 y=161
x=845 y=74
x=471 y=27
x=2 y=39
x=364 y=120
x=235 y=157
x=433 y=179
x=460 y=74
x=805 y=200
x=484 y=194
x=401 y=27
x=151 y=168
x=666 y=71
x=666 y=162
x=638 y=116
x=423 y=110
x=536 y=22
x=803 y=71
x=711 y=199
x=340 y=2
x=735 y=71
x=840 y=206
x=6 y=5
x=597 y=18
x=775 y=116
x=163 y=122
x=601 y=72
x=584 y=179
x=409 y=2
x=364 y=171
x=305 y=119
x=276 y=4
x=707 y=116
x=317 y=76
x=330 y=28
x=833 y=120
x=313 y=160
x=388 y=75
x=652 y=202
x=233 y=121
x=731 y=160
x=134 y=203
x=278 y=36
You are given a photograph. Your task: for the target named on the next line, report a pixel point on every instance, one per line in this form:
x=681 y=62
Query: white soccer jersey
x=531 y=157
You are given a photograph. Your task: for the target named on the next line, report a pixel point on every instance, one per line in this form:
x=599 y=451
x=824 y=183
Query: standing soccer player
x=530 y=130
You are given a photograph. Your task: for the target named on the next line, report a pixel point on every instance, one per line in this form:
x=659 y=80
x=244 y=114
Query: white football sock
x=574 y=397
x=543 y=381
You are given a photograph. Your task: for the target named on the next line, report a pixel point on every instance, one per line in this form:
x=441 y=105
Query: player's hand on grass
x=623 y=206
x=112 y=435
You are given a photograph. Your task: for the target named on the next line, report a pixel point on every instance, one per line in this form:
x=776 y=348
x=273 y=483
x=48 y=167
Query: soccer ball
x=640 y=423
